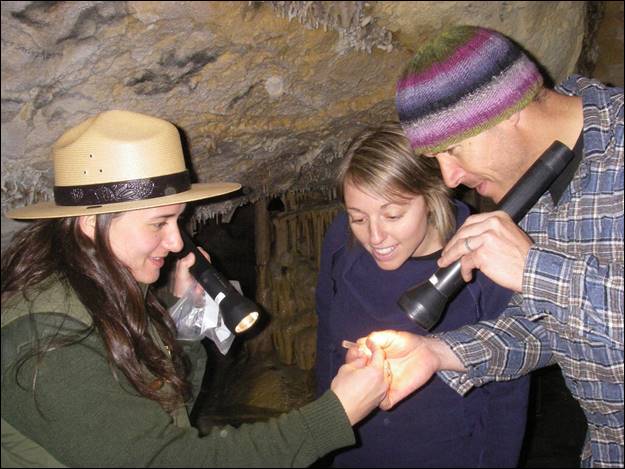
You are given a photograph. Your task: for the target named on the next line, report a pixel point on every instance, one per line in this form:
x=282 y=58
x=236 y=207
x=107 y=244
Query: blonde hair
x=381 y=161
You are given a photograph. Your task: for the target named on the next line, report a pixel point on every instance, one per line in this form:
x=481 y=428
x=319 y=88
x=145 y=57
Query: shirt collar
x=558 y=186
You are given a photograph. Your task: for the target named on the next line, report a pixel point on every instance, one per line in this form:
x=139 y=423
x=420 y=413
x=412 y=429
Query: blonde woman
x=398 y=216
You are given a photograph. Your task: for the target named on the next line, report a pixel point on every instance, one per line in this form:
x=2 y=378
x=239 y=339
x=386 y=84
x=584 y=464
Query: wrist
x=444 y=357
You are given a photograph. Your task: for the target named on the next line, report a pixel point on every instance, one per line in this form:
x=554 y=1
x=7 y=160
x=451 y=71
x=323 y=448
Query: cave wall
x=608 y=44
x=265 y=93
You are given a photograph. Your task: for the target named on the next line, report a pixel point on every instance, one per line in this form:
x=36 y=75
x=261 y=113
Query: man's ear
x=87 y=225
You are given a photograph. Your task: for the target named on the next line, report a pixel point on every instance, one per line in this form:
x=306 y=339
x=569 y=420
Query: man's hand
x=492 y=243
x=412 y=360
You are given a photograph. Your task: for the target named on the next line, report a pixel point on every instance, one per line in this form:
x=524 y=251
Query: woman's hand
x=362 y=384
x=182 y=280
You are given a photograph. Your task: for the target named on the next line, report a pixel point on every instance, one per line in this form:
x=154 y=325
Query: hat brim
x=52 y=210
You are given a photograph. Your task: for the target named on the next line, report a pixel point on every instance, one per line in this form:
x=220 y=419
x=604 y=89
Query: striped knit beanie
x=464 y=81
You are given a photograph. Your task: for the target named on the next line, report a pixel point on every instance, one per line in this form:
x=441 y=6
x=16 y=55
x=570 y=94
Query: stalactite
x=281 y=236
x=355 y=27
x=292 y=267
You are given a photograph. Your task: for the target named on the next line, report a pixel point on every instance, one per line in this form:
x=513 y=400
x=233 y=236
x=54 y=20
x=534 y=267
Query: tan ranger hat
x=119 y=161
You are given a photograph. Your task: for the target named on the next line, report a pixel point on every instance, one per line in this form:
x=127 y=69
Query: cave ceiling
x=267 y=94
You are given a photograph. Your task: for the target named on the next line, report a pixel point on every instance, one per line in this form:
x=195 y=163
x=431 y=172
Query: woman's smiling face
x=391 y=230
x=141 y=239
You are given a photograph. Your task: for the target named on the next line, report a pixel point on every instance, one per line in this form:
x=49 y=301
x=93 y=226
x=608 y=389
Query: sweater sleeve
x=324 y=293
x=85 y=418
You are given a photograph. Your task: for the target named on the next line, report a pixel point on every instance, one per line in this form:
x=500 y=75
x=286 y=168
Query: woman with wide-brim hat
x=92 y=373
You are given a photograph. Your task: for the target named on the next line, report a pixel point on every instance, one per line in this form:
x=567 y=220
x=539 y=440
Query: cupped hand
x=412 y=363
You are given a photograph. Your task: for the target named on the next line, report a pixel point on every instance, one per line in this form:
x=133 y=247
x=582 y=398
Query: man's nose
x=451 y=171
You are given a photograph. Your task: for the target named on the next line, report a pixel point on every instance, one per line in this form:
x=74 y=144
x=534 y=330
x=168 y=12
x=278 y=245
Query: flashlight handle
x=215 y=284
x=448 y=280
x=536 y=180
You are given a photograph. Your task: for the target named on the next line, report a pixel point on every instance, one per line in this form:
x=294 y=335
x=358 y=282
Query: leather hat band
x=123 y=191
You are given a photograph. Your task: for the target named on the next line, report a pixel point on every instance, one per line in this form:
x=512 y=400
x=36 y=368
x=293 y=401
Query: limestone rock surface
x=267 y=94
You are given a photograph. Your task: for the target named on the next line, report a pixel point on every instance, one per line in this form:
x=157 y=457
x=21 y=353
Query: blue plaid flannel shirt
x=571 y=308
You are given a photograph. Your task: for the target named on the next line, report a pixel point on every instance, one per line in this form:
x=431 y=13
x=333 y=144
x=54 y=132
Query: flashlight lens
x=246 y=322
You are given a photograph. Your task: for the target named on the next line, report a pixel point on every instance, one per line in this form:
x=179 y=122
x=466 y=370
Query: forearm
x=133 y=431
x=295 y=439
x=447 y=359
x=499 y=350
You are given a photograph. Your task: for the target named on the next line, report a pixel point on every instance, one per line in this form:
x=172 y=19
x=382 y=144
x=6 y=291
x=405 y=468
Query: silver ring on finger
x=467 y=245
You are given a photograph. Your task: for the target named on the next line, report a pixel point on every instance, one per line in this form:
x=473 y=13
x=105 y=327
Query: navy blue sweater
x=435 y=426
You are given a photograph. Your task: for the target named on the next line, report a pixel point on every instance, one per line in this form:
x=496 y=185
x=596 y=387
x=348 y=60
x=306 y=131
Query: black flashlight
x=238 y=312
x=424 y=303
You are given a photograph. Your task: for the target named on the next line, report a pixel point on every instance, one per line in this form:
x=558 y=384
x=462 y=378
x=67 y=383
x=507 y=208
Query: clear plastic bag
x=197 y=316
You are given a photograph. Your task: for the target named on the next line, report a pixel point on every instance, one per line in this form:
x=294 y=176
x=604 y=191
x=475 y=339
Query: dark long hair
x=112 y=296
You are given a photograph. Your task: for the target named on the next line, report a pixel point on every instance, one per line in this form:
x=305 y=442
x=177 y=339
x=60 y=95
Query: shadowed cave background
x=268 y=94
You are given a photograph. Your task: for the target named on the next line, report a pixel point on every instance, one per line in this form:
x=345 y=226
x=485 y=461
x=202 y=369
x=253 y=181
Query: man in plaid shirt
x=474 y=101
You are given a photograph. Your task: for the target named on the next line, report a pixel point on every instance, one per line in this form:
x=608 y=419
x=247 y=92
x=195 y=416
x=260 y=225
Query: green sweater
x=80 y=416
